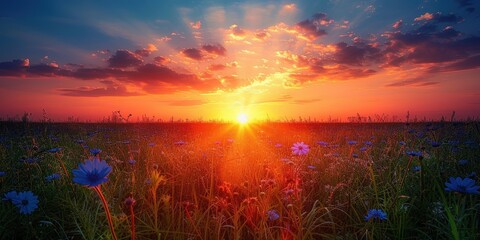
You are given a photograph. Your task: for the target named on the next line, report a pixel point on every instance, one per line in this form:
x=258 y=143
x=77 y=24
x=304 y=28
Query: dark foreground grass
x=225 y=181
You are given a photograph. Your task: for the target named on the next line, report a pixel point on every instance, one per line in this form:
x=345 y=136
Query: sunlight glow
x=242 y=118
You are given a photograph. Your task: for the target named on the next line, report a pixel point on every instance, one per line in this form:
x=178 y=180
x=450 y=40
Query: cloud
x=217 y=67
x=467 y=4
x=124 y=59
x=187 y=103
x=14 y=68
x=438 y=17
x=398 y=24
x=193 y=53
x=237 y=32
x=111 y=89
x=414 y=82
x=196 y=25
x=311 y=28
x=280 y=99
x=216 y=49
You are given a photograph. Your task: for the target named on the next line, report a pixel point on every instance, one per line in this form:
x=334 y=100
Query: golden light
x=242 y=118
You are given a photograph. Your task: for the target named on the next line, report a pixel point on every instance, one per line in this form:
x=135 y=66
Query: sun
x=242 y=118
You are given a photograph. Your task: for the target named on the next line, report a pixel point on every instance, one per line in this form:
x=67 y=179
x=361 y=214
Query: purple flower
x=300 y=148
x=466 y=185
x=272 y=215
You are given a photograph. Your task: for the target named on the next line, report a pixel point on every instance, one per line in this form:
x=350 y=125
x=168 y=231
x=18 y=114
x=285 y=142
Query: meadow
x=232 y=181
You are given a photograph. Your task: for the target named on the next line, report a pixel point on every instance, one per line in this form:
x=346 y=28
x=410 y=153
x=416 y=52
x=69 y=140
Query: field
x=232 y=181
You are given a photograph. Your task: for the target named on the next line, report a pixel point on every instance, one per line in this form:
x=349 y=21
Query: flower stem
x=107 y=211
x=132 y=216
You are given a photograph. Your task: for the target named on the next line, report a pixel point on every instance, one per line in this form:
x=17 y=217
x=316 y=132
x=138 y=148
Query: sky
x=213 y=60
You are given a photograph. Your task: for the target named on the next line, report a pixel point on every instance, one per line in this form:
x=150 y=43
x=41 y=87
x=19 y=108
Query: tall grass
x=219 y=181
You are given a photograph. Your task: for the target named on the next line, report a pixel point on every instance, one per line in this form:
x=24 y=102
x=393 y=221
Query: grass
x=218 y=181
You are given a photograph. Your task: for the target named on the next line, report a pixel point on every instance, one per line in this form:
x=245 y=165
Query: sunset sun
x=242 y=118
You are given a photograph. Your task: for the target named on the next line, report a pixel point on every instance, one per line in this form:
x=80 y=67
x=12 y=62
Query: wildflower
x=95 y=151
x=91 y=173
x=55 y=150
x=363 y=149
x=130 y=201
x=463 y=162
x=300 y=148
x=278 y=145
x=27 y=202
x=355 y=155
x=417 y=168
x=466 y=185
x=311 y=167
x=2 y=174
x=414 y=153
x=151 y=144
x=9 y=196
x=272 y=215
x=52 y=177
x=368 y=143
x=436 y=144
x=376 y=214
x=322 y=143
x=352 y=142
x=402 y=143
x=132 y=161
x=80 y=141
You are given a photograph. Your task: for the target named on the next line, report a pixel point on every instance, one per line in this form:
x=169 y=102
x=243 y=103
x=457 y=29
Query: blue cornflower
x=272 y=215
x=27 y=202
x=376 y=214
x=402 y=143
x=322 y=143
x=368 y=143
x=55 y=150
x=9 y=196
x=466 y=185
x=363 y=149
x=352 y=142
x=463 y=162
x=311 y=167
x=2 y=174
x=436 y=144
x=131 y=161
x=355 y=155
x=417 y=168
x=151 y=144
x=52 y=177
x=91 y=173
x=95 y=151
x=414 y=153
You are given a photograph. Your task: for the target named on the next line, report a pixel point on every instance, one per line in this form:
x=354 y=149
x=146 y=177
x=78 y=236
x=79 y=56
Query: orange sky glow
x=269 y=61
